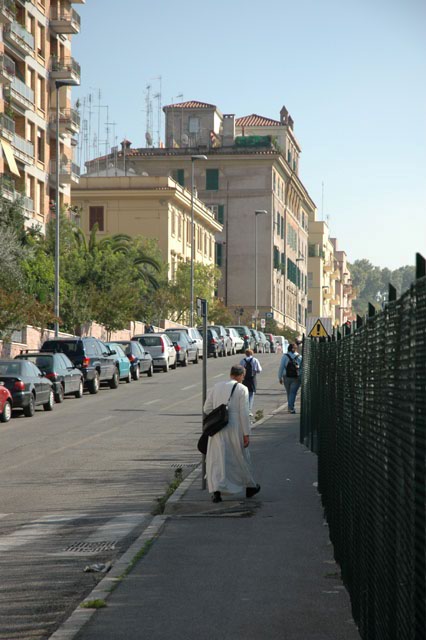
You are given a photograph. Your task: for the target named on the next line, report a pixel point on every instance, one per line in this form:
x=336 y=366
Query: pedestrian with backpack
x=252 y=368
x=289 y=374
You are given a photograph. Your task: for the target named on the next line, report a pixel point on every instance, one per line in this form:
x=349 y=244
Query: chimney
x=228 y=129
x=125 y=145
x=286 y=118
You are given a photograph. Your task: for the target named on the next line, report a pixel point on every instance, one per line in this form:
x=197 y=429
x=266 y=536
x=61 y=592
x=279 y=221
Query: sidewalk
x=259 y=569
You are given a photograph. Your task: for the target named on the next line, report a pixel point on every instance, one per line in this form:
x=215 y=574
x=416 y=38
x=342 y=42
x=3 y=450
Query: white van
x=281 y=344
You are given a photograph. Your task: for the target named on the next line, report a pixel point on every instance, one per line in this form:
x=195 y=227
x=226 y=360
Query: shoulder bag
x=214 y=422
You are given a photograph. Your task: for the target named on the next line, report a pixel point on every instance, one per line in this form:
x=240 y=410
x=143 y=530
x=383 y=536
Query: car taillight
x=131 y=357
x=52 y=376
x=246 y=337
x=213 y=341
x=85 y=363
x=177 y=347
x=162 y=346
x=19 y=386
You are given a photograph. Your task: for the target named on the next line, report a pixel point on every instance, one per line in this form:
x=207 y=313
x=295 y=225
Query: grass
x=258 y=415
x=161 y=502
x=93 y=604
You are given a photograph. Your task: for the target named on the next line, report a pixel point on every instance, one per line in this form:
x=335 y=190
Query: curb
x=80 y=617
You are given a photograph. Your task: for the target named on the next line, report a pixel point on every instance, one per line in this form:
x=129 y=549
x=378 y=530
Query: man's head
x=237 y=372
x=292 y=347
x=249 y=352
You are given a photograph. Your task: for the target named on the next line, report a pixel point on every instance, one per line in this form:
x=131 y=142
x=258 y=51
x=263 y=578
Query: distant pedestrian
x=289 y=374
x=228 y=462
x=149 y=329
x=252 y=367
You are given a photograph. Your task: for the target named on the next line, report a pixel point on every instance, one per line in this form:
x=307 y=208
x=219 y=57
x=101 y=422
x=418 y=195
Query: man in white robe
x=228 y=462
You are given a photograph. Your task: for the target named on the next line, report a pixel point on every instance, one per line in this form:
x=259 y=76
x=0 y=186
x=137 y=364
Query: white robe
x=228 y=462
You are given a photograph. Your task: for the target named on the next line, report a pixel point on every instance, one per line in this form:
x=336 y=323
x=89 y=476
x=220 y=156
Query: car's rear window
x=44 y=363
x=11 y=368
x=71 y=347
x=126 y=346
x=174 y=335
x=151 y=341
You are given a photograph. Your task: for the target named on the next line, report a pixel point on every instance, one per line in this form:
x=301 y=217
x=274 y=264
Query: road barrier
x=364 y=414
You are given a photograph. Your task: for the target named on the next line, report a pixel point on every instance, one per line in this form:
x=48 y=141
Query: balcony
x=335 y=299
x=7 y=188
x=28 y=206
x=21 y=39
x=69 y=172
x=7 y=69
x=328 y=267
x=21 y=94
x=7 y=127
x=335 y=275
x=7 y=11
x=66 y=69
x=69 y=121
x=64 y=21
x=328 y=295
x=23 y=149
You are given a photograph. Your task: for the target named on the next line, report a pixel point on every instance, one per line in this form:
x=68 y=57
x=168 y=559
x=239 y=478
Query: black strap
x=233 y=389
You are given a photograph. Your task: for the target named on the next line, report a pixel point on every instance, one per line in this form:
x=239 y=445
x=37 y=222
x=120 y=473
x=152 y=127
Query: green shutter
x=221 y=213
x=219 y=248
x=212 y=179
x=180 y=175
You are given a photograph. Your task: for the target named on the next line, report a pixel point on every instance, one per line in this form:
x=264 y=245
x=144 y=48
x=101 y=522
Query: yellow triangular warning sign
x=318 y=330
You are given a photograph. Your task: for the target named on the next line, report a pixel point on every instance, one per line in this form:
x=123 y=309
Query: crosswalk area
x=43 y=561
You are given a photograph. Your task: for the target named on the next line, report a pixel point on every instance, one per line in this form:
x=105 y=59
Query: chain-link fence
x=364 y=413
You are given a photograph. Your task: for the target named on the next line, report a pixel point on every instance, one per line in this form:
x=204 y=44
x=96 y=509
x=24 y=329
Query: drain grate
x=180 y=466
x=91 y=547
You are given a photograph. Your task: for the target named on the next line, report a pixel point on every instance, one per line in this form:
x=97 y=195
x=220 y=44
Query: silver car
x=161 y=349
x=237 y=341
x=194 y=336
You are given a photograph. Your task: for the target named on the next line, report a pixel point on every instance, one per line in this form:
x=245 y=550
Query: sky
x=352 y=74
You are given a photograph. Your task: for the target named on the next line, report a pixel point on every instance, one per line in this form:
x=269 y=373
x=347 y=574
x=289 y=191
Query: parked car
x=121 y=360
x=140 y=360
x=28 y=386
x=237 y=341
x=245 y=334
x=90 y=356
x=213 y=343
x=271 y=340
x=161 y=348
x=225 y=340
x=193 y=334
x=66 y=379
x=281 y=344
x=257 y=345
x=5 y=403
x=264 y=341
x=186 y=349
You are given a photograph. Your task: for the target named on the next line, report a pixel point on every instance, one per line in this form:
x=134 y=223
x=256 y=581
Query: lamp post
x=193 y=159
x=258 y=212
x=58 y=85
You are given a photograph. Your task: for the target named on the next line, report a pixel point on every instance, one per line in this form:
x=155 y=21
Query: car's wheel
x=129 y=377
x=93 y=385
x=215 y=355
x=184 y=362
x=79 y=392
x=29 y=410
x=166 y=368
x=114 y=382
x=195 y=361
x=150 y=371
x=59 y=397
x=173 y=366
x=137 y=373
x=6 y=414
x=48 y=406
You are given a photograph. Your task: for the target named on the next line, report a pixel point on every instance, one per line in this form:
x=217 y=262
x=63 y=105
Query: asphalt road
x=77 y=485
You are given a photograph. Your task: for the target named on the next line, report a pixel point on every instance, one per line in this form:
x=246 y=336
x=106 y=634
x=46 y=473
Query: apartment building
x=35 y=55
x=252 y=165
x=330 y=291
x=156 y=208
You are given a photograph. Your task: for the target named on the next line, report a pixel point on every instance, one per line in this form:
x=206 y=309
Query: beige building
x=329 y=284
x=252 y=164
x=152 y=207
x=35 y=52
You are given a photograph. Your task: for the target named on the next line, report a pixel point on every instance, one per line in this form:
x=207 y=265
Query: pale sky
x=352 y=74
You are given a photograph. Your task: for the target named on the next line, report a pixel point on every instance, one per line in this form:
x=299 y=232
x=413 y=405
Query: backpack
x=292 y=368
x=249 y=370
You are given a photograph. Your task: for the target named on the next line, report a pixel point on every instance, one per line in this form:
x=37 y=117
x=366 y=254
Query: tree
x=371 y=283
x=206 y=279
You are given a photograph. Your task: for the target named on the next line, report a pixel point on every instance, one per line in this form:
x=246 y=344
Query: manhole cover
x=91 y=547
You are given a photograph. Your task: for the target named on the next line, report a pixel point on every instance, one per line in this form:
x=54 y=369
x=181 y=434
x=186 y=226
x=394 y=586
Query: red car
x=5 y=404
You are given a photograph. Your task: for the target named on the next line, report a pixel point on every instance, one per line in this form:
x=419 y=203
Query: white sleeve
x=258 y=367
x=208 y=405
x=244 y=410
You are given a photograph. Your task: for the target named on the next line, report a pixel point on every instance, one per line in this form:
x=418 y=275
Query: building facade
x=252 y=165
x=35 y=54
x=156 y=208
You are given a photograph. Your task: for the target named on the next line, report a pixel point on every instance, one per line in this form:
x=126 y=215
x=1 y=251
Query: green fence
x=364 y=413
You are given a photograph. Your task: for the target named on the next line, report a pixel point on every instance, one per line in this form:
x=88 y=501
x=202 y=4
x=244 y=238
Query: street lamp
x=58 y=85
x=256 y=213
x=193 y=159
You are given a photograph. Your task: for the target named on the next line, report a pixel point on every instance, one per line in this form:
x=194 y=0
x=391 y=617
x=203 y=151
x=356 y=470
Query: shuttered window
x=219 y=248
x=220 y=213
x=179 y=176
x=212 y=179
x=96 y=215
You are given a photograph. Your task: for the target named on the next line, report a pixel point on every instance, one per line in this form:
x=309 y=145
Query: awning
x=8 y=152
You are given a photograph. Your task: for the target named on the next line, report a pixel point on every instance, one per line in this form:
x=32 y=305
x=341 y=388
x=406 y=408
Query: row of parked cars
x=66 y=366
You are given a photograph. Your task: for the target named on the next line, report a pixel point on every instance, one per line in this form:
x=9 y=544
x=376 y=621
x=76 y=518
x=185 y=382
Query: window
x=282 y=227
x=173 y=214
x=212 y=179
x=193 y=124
x=218 y=211
x=188 y=231
x=276 y=258
x=40 y=145
x=309 y=306
x=219 y=248
x=96 y=216
x=179 y=176
x=40 y=197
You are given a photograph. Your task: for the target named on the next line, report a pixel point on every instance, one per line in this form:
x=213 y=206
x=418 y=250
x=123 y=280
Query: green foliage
x=205 y=282
x=371 y=284
x=219 y=313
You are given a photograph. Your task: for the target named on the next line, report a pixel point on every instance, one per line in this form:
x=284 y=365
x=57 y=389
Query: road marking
x=4 y=515
x=191 y=386
x=219 y=375
x=118 y=527
x=152 y=401
x=197 y=395
x=37 y=529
